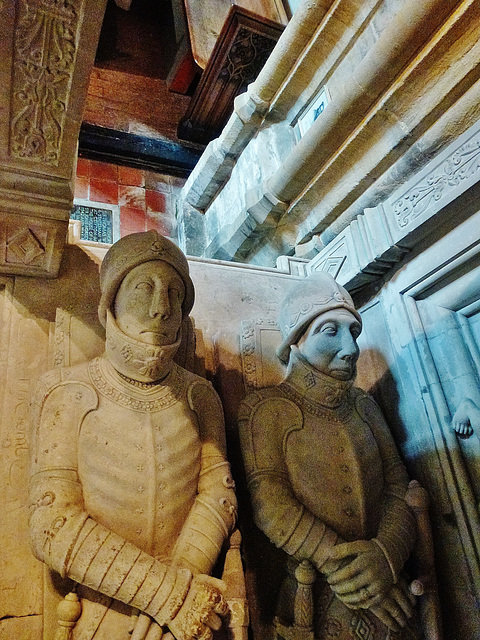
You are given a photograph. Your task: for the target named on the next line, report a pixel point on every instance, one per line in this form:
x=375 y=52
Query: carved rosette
x=44 y=55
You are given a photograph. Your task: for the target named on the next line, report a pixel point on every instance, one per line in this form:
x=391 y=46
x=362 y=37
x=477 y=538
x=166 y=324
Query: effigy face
x=148 y=304
x=330 y=343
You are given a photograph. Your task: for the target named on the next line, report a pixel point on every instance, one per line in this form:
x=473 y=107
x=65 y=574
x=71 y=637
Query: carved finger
x=142 y=626
x=346 y=549
x=349 y=586
x=390 y=605
x=206 y=634
x=212 y=620
x=358 y=600
x=385 y=617
x=343 y=574
x=405 y=599
x=220 y=605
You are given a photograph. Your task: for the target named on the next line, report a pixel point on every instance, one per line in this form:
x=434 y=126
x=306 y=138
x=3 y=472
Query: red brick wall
x=146 y=199
x=135 y=104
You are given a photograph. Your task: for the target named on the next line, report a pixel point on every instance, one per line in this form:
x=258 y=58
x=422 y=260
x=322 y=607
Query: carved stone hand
x=201 y=610
x=466 y=420
x=366 y=577
x=397 y=607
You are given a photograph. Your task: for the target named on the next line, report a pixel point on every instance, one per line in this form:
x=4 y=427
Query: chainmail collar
x=136 y=361
x=317 y=387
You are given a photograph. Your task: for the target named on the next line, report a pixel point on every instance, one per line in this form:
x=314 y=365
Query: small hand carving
x=365 y=578
x=397 y=607
x=466 y=420
x=201 y=610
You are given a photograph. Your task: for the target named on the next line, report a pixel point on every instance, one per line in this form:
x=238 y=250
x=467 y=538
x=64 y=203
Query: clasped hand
x=364 y=580
x=200 y=613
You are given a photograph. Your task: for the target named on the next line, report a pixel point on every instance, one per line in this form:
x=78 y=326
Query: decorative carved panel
x=44 y=59
x=371 y=245
x=259 y=340
x=30 y=246
x=242 y=49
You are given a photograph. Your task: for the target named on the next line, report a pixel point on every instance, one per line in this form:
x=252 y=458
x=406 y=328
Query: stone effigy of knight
x=131 y=492
x=326 y=482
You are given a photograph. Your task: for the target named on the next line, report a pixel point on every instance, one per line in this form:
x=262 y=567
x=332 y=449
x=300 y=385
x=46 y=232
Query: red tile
x=157 y=182
x=131 y=177
x=162 y=223
x=131 y=220
x=104 y=171
x=156 y=202
x=83 y=167
x=103 y=191
x=133 y=197
x=81 y=188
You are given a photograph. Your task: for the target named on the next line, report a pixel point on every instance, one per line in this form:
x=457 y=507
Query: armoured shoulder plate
x=266 y=418
x=368 y=409
x=59 y=417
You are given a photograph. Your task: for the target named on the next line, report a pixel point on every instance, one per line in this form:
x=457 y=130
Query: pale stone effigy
x=131 y=492
x=326 y=482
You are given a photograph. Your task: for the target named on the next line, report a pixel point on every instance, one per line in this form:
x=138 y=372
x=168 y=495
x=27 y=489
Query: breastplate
x=336 y=471
x=139 y=460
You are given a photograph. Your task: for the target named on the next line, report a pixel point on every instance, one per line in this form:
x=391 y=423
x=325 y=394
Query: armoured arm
x=68 y=540
x=397 y=528
x=264 y=425
x=213 y=513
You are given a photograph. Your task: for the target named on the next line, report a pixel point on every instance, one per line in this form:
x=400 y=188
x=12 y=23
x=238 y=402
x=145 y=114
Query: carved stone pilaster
x=48 y=48
x=45 y=48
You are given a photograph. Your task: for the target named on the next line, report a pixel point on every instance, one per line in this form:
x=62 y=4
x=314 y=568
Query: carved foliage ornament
x=45 y=48
x=460 y=166
x=246 y=57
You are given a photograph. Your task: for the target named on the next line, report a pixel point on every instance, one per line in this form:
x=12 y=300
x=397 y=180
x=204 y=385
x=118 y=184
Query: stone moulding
x=45 y=50
x=461 y=166
x=380 y=237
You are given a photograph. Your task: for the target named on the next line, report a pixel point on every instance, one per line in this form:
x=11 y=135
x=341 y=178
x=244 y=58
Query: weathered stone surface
x=25 y=628
x=314 y=485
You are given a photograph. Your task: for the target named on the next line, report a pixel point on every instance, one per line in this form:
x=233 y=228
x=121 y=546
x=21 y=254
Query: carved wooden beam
x=242 y=49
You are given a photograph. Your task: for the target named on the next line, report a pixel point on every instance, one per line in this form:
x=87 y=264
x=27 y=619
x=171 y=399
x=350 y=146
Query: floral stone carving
x=45 y=49
x=131 y=494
